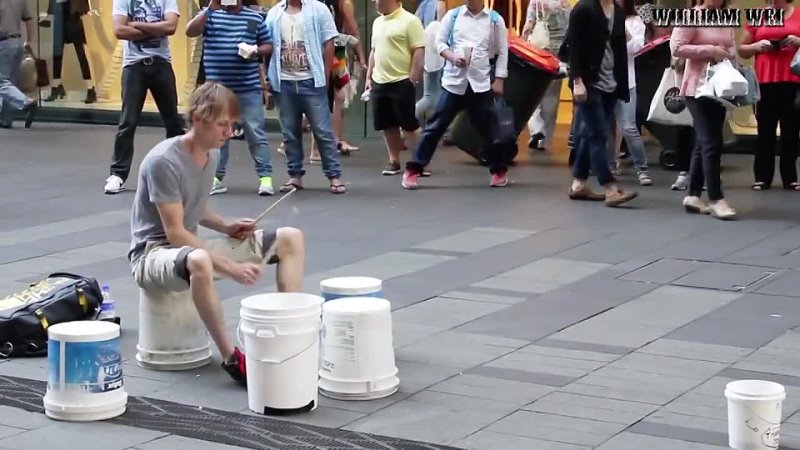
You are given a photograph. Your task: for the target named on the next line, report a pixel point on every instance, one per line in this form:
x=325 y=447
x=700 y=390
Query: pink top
x=773 y=67
x=696 y=44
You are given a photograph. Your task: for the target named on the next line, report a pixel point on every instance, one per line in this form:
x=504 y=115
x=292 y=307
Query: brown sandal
x=290 y=186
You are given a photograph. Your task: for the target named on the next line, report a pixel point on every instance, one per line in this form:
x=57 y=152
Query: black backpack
x=25 y=316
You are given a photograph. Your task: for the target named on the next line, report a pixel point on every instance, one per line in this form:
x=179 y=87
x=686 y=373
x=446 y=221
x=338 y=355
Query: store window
x=84 y=61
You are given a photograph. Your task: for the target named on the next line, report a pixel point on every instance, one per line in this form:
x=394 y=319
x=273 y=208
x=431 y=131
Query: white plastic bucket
x=279 y=333
x=754 y=414
x=339 y=287
x=84 y=372
x=171 y=334
x=357 y=353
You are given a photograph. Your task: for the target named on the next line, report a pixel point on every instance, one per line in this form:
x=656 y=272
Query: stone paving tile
x=779 y=356
x=475 y=240
x=626 y=243
x=633 y=441
x=6 y=431
x=569 y=430
x=444 y=312
x=73 y=436
x=726 y=277
x=784 y=284
x=718 y=425
x=19 y=418
x=421 y=421
x=525 y=375
x=179 y=442
x=699 y=351
x=67 y=226
x=666 y=365
x=555 y=271
x=585 y=346
x=549 y=364
x=407 y=333
x=449 y=350
x=521 y=285
x=487 y=440
x=664 y=271
x=570 y=354
x=484 y=387
x=322 y=416
x=483 y=297
x=463 y=402
x=594 y=408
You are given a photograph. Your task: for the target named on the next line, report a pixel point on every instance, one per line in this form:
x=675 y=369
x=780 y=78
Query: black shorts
x=393 y=105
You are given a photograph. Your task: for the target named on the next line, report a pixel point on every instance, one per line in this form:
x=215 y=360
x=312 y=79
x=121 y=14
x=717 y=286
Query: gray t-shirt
x=149 y=11
x=168 y=174
x=605 y=81
x=12 y=13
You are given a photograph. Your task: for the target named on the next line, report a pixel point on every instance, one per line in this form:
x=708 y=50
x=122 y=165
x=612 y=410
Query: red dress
x=773 y=67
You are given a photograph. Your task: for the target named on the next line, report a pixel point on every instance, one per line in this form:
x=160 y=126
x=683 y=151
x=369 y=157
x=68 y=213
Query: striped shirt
x=221 y=37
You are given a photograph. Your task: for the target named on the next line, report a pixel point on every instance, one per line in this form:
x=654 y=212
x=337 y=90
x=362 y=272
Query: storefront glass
x=84 y=61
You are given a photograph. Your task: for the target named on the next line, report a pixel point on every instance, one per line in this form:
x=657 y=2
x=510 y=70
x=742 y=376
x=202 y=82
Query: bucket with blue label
x=84 y=372
x=339 y=287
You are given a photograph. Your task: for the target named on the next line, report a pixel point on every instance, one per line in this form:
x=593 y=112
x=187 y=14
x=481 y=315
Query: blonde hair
x=210 y=101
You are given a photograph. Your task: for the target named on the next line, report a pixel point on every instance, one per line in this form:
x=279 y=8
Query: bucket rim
x=336 y=285
x=83 y=331
x=737 y=389
x=261 y=302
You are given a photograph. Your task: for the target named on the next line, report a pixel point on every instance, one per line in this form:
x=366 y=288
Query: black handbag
x=504 y=131
x=25 y=316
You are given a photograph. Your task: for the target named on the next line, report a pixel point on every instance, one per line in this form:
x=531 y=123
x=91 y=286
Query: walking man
x=147 y=66
x=598 y=62
x=473 y=40
x=172 y=202
x=394 y=71
x=13 y=15
x=224 y=28
x=302 y=58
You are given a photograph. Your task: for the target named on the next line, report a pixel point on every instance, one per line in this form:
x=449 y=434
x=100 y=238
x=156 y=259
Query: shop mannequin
x=68 y=29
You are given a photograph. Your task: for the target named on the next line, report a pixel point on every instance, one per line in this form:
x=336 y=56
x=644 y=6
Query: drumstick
x=263 y=214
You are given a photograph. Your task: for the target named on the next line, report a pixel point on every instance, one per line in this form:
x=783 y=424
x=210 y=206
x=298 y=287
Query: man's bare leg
x=291 y=251
x=394 y=143
x=206 y=299
x=411 y=138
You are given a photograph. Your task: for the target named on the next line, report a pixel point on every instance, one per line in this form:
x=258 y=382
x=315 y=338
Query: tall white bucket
x=339 y=287
x=357 y=353
x=754 y=414
x=280 y=336
x=84 y=372
x=171 y=334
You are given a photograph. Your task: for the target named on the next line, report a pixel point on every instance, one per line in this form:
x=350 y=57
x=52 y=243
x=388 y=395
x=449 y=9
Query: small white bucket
x=339 y=287
x=357 y=353
x=84 y=372
x=171 y=334
x=279 y=333
x=754 y=414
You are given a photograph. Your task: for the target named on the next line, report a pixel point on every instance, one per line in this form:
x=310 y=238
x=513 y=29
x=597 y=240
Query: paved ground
x=521 y=319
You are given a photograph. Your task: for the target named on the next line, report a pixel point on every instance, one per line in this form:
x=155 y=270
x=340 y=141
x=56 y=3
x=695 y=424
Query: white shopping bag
x=705 y=88
x=668 y=106
x=727 y=80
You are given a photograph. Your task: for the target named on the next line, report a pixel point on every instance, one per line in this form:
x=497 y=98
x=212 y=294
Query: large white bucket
x=280 y=336
x=84 y=372
x=339 y=287
x=357 y=353
x=754 y=414
x=171 y=334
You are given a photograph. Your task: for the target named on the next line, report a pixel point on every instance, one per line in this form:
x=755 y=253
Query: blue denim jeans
x=431 y=88
x=11 y=97
x=626 y=118
x=295 y=99
x=255 y=133
x=594 y=118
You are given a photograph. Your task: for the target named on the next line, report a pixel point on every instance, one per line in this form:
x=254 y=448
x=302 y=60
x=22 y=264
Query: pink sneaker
x=410 y=180
x=499 y=179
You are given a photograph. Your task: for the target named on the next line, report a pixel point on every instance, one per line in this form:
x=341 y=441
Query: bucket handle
x=260 y=333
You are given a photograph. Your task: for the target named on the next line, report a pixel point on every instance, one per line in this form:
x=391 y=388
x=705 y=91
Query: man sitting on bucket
x=172 y=200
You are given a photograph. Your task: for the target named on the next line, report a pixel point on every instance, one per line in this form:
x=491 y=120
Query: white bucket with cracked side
x=754 y=414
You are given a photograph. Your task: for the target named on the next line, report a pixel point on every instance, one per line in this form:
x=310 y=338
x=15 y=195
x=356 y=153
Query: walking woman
x=773 y=48
x=699 y=47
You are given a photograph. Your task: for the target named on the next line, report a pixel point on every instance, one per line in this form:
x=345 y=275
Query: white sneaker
x=217 y=187
x=695 y=205
x=682 y=182
x=644 y=178
x=722 y=210
x=114 y=185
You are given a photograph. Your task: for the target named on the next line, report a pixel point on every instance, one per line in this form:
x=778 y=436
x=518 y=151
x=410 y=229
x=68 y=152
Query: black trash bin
x=651 y=62
x=530 y=72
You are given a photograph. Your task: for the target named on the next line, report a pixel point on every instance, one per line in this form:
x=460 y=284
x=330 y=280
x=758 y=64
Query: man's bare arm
x=164 y=28
x=214 y=221
x=178 y=236
x=351 y=27
x=125 y=32
x=417 y=61
x=196 y=26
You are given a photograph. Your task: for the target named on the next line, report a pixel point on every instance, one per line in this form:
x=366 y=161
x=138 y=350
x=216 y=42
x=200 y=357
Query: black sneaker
x=236 y=368
x=392 y=168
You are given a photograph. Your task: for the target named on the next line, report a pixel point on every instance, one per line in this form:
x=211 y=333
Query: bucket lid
x=277 y=302
x=356 y=305
x=351 y=285
x=652 y=44
x=540 y=58
x=755 y=388
x=83 y=331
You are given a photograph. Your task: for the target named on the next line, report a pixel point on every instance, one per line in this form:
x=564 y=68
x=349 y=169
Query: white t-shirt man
x=149 y=11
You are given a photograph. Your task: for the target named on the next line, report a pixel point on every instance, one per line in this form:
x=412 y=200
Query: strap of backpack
x=453 y=17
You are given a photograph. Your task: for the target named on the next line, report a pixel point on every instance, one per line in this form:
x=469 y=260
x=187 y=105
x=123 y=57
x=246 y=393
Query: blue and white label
x=94 y=367
x=332 y=296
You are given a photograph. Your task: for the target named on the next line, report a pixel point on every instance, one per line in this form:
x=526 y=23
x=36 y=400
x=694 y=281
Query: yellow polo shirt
x=394 y=38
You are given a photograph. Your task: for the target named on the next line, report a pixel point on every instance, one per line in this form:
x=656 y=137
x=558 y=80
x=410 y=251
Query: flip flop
x=289 y=185
x=338 y=188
